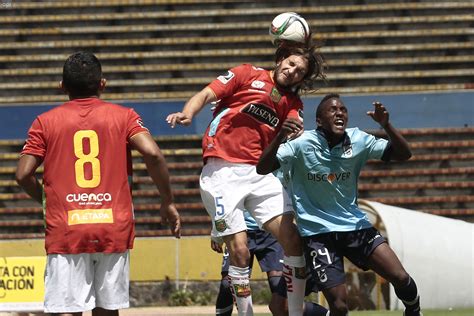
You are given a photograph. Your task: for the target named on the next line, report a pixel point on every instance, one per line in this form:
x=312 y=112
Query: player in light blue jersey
x=324 y=165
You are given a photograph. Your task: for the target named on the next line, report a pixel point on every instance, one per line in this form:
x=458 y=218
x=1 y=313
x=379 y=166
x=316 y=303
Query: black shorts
x=265 y=247
x=325 y=254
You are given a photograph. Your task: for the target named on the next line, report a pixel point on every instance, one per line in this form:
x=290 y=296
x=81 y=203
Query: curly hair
x=316 y=62
x=82 y=73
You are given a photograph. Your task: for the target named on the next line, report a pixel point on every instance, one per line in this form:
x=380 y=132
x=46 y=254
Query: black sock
x=408 y=294
x=313 y=309
x=225 y=301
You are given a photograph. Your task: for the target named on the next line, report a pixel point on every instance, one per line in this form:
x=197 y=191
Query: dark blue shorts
x=263 y=246
x=325 y=254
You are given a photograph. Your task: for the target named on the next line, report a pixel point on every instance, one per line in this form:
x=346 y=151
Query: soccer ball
x=289 y=26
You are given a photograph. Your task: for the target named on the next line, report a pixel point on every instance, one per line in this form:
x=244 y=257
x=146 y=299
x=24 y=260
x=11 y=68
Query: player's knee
x=224 y=301
x=400 y=278
x=225 y=284
x=240 y=255
x=277 y=284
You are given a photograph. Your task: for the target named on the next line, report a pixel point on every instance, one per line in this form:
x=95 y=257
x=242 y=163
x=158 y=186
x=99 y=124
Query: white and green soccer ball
x=289 y=26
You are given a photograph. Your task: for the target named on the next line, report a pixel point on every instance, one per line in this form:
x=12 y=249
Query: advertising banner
x=22 y=283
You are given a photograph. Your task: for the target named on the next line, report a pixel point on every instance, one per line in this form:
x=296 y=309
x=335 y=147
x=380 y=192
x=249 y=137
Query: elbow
x=155 y=162
x=399 y=152
x=153 y=154
x=265 y=166
x=21 y=178
x=262 y=169
x=404 y=156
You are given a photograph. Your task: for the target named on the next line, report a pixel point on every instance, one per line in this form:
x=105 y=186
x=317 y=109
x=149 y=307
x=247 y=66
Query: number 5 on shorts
x=219 y=206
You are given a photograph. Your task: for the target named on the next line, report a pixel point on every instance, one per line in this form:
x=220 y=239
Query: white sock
x=240 y=288
x=295 y=283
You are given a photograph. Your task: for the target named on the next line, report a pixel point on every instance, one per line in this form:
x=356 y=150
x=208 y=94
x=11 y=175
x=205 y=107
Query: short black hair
x=326 y=97
x=82 y=73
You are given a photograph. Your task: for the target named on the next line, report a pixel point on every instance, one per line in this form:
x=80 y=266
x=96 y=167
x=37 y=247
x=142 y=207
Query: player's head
x=82 y=75
x=298 y=67
x=331 y=115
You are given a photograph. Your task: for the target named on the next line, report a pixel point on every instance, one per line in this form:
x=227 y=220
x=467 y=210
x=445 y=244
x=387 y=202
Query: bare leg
x=284 y=230
x=239 y=271
x=278 y=304
x=224 y=300
x=337 y=300
x=104 y=312
x=238 y=249
x=386 y=263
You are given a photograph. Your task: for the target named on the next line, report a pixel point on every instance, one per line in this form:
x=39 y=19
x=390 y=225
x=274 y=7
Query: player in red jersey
x=253 y=103
x=85 y=145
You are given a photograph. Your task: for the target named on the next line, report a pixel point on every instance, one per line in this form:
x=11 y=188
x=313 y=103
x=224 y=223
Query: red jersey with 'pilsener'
x=249 y=114
x=87 y=165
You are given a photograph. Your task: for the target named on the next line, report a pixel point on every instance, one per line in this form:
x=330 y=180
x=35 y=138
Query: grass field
x=463 y=312
x=208 y=311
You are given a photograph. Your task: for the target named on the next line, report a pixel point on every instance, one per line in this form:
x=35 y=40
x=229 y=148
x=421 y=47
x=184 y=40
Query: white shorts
x=227 y=189
x=81 y=282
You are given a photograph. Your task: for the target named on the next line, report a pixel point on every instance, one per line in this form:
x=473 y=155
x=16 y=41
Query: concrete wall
x=152 y=259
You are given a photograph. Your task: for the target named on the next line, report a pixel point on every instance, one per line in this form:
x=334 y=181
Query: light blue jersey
x=323 y=181
x=250 y=221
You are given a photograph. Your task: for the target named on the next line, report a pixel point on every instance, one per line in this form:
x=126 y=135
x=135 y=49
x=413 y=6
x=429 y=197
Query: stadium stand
x=439 y=179
x=169 y=49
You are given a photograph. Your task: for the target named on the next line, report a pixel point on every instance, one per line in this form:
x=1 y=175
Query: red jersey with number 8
x=249 y=114
x=84 y=144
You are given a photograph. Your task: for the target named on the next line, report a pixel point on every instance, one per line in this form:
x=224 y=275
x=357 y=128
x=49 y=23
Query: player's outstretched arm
x=400 y=149
x=191 y=108
x=268 y=162
x=25 y=176
x=158 y=171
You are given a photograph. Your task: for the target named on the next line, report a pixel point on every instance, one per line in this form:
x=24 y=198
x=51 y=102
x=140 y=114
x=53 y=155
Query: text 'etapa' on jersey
x=87 y=165
x=249 y=114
